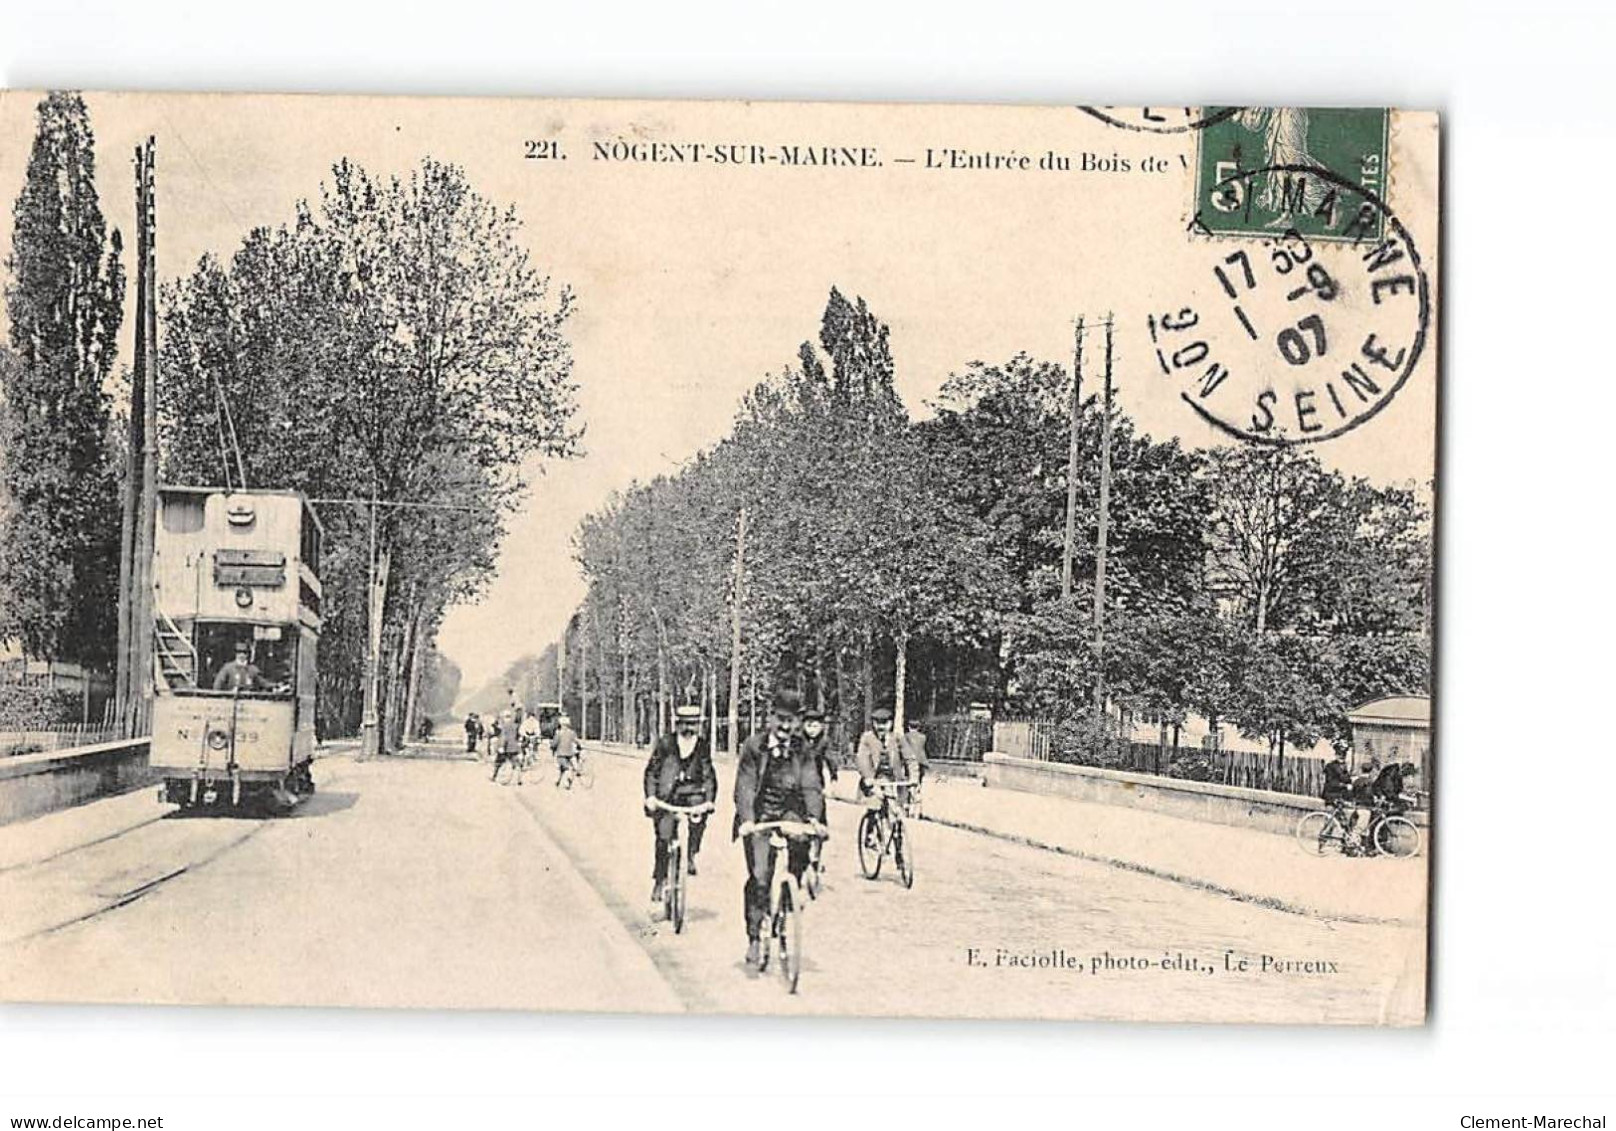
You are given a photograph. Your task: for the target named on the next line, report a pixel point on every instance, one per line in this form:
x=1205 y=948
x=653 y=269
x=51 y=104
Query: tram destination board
x=262 y=568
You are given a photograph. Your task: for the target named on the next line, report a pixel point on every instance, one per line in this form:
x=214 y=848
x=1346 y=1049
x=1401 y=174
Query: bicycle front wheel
x=673 y=899
x=790 y=929
x=584 y=774
x=903 y=854
x=869 y=844
x=1320 y=834
x=1398 y=836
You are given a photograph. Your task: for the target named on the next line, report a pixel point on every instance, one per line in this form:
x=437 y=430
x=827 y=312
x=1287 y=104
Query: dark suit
x=678 y=781
x=774 y=783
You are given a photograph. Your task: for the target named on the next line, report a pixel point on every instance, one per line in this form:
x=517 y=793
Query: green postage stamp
x=1252 y=173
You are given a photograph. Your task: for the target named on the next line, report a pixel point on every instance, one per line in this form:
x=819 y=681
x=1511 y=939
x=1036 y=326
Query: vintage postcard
x=804 y=559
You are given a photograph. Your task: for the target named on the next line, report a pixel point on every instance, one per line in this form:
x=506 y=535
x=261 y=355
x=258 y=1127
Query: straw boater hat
x=687 y=713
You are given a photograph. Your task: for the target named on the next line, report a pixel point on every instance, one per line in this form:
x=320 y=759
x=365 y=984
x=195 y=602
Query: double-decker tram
x=237 y=625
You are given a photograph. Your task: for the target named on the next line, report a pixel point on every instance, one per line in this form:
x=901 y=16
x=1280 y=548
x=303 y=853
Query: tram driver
x=240 y=674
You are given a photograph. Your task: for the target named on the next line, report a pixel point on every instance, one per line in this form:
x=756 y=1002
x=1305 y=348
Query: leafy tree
x=396 y=342
x=58 y=547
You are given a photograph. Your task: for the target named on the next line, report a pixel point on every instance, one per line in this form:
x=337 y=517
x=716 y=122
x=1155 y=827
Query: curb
x=1272 y=903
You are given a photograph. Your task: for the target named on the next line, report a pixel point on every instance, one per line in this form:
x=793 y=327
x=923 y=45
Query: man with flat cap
x=680 y=772
x=882 y=754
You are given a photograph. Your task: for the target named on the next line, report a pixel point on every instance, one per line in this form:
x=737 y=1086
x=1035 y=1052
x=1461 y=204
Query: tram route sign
x=263 y=568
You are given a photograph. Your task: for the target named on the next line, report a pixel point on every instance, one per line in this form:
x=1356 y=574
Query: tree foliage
x=64 y=304
x=395 y=341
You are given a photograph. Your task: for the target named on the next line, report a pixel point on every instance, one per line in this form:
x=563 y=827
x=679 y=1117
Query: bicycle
x=1392 y=833
x=786 y=903
x=577 y=770
x=882 y=830
x=1323 y=832
x=673 y=886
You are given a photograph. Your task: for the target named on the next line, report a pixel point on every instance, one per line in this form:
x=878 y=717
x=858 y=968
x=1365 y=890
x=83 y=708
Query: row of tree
x=876 y=558
x=392 y=350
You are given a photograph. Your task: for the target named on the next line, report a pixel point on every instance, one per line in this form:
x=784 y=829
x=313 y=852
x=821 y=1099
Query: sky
x=695 y=281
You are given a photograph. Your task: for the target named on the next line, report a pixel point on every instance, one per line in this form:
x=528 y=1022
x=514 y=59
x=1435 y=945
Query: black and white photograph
x=714 y=565
x=916 y=561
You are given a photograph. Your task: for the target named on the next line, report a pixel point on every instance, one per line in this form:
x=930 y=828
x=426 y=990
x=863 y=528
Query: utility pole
x=138 y=530
x=1101 y=533
x=1071 y=461
x=583 y=672
x=737 y=588
x=369 y=744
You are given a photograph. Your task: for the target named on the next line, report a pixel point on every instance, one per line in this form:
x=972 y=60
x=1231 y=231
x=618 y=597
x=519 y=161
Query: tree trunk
x=868 y=673
x=412 y=669
x=900 y=674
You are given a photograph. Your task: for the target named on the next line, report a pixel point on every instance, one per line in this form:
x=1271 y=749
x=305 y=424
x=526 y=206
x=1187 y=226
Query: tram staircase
x=176 y=655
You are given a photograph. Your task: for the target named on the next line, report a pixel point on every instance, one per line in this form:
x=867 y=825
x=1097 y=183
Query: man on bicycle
x=680 y=772
x=776 y=779
x=816 y=740
x=882 y=755
x=509 y=740
x=531 y=737
x=567 y=750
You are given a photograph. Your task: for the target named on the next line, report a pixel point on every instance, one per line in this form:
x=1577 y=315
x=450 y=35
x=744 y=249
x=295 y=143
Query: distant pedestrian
x=474 y=732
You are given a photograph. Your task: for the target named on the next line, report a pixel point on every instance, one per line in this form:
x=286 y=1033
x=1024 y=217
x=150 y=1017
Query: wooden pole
x=1071 y=461
x=367 y=722
x=142 y=611
x=128 y=569
x=737 y=598
x=1102 y=532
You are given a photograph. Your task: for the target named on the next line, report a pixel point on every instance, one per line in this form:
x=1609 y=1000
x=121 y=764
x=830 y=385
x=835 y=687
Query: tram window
x=184 y=514
x=271 y=657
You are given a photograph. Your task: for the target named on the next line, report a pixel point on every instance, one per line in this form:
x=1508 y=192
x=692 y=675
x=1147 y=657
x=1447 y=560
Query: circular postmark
x=1160 y=119
x=1287 y=338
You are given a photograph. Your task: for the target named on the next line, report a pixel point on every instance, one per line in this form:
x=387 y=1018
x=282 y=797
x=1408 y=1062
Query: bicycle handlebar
x=704 y=807
x=790 y=828
x=884 y=784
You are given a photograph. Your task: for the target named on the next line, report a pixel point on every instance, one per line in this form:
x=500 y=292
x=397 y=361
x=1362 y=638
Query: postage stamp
x=1255 y=169
x=1303 y=337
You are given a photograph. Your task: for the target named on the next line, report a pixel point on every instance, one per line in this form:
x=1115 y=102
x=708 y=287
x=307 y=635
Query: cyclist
x=567 y=749
x=776 y=779
x=882 y=754
x=680 y=772
x=914 y=748
x=816 y=740
x=531 y=737
x=1363 y=807
x=509 y=741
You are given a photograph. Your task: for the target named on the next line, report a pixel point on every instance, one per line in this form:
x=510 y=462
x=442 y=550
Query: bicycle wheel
x=676 y=890
x=584 y=773
x=790 y=929
x=1398 y=836
x=869 y=844
x=1320 y=834
x=903 y=854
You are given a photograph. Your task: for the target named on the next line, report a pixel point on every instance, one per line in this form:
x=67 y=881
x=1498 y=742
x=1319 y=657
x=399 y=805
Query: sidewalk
x=1244 y=864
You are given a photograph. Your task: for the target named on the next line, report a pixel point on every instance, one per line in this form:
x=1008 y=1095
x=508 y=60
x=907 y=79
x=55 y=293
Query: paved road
x=419 y=882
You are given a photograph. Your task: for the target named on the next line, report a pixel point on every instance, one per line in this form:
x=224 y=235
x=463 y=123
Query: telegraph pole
x=138 y=530
x=1071 y=461
x=737 y=586
x=369 y=744
x=1102 y=532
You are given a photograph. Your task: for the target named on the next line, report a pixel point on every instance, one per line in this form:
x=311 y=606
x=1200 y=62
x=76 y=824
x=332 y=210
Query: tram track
x=108 y=904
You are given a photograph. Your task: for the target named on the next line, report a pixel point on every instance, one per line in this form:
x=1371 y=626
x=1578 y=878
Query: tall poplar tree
x=64 y=302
